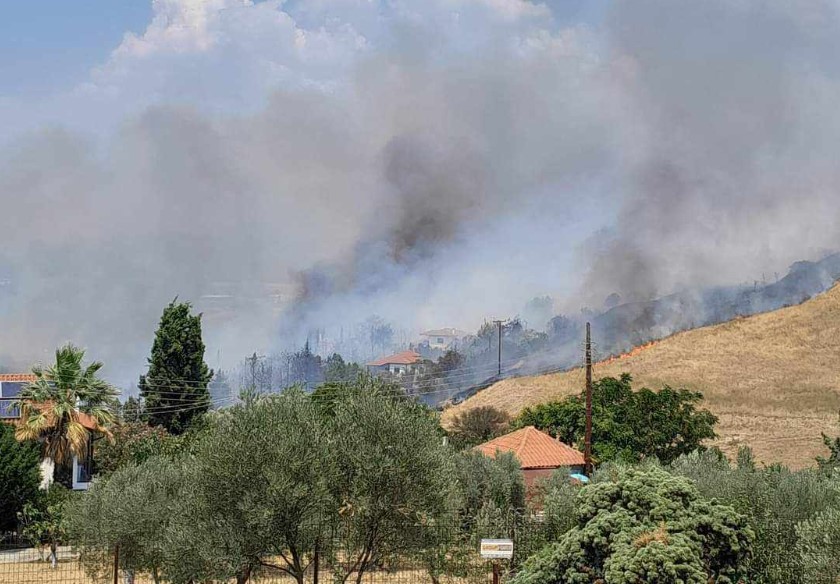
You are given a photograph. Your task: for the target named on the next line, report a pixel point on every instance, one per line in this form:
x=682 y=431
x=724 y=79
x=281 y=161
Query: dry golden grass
x=773 y=379
x=70 y=572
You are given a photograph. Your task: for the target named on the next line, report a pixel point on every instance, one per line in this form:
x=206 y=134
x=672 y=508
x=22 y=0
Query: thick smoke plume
x=299 y=166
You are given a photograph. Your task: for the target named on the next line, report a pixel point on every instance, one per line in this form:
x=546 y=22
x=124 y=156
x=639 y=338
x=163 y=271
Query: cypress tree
x=175 y=388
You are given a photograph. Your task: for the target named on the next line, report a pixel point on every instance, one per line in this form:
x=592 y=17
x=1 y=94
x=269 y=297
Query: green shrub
x=20 y=475
x=775 y=500
x=648 y=526
x=819 y=547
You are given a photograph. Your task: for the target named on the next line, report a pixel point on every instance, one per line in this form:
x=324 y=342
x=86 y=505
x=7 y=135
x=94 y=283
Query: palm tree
x=63 y=404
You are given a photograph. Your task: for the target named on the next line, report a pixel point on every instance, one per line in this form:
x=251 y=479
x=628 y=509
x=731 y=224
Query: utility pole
x=587 y=449
x=499 y=325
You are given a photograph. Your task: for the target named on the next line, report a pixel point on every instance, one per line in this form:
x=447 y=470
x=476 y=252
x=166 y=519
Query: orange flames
x=632 y=353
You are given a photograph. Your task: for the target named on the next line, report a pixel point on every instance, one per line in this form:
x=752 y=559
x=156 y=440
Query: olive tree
x=260 y=486
x=396 y=487
x=132 y=510
x=774 y=499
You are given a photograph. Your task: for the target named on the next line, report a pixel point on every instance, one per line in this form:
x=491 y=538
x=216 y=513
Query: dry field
x=773 y=379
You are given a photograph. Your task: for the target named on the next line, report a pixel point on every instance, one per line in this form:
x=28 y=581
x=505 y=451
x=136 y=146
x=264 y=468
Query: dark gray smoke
x=440 y=163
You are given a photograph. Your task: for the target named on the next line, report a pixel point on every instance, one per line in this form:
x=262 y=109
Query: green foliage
x=833 y=460
x=42 y=521
x=336 y=369
x=260 y=484
x=775 y=501
x=819 y=547
x=478 y=425
x=20 y=475
x=648 y=526
x=489 y=482
x=396 y=476
x=175 y=390
x=556 y=497
x=628 y=425
x=132 y=443
x=132 y=509
x=327 y=395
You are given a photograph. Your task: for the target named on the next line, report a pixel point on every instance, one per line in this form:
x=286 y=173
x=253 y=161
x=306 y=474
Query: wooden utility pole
x=499 y=325
x=587 y=449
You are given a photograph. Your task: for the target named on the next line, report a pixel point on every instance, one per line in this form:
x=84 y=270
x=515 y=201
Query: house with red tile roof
x=538 y=453
x=11 y=385
x=396 y=364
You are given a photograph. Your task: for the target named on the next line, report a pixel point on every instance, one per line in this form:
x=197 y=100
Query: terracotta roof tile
x=534 y=449
x=404 y=358
x=17 y=377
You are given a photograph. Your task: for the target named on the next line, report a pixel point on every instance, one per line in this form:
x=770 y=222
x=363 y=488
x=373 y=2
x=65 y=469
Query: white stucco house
x=444 y=338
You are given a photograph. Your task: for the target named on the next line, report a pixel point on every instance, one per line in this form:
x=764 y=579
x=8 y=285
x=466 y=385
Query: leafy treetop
x=175 y=388
x=628 y=425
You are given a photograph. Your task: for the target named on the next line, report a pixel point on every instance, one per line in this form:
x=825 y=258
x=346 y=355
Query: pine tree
x=175 y=389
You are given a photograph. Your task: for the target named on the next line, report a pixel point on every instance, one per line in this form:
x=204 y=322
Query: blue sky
x=49 y=44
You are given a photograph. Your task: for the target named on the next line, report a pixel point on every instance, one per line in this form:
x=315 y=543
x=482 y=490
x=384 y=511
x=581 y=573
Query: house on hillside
x=539 y=454
x=396 y=364
x=11 y=386
x=443 y=339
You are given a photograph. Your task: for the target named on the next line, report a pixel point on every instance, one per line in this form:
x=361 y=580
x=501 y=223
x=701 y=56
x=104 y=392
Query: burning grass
x=772 y=379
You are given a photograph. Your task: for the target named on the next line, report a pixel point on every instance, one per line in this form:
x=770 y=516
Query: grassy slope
x=773 y=379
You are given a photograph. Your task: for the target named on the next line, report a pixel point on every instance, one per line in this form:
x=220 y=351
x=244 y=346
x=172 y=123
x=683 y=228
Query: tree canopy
x=478 y=425
x=175 y=389
x=646 y=526
x=20 y=475
x=628 y=425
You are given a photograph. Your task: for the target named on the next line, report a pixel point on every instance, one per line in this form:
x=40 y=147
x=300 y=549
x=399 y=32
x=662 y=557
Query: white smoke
x=436 y=162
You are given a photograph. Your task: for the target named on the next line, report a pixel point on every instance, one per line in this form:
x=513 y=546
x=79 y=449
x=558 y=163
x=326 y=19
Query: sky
x=50 y=45
x=434 y=162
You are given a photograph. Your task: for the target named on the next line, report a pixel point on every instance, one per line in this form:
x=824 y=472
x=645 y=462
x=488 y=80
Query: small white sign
x=497 y=549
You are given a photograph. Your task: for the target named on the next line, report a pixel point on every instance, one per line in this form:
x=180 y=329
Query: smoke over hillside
x=432 y=162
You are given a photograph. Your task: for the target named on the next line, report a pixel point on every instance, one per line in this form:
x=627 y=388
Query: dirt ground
x=68 y=571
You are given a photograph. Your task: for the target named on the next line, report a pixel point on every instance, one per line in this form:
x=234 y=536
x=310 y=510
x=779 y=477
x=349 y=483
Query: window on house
x=84 y=468
x=440 y=340
x=9 y=409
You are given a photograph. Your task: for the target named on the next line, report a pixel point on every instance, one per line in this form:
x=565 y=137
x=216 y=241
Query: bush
x=133 y=443
x=20 y=475
x=556 y=497
x=775 y=500
x=648 y=526
x=43 y=521
x=483 y=481
x=819 y=547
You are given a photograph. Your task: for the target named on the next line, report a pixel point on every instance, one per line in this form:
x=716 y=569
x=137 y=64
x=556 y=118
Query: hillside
x=773 y=379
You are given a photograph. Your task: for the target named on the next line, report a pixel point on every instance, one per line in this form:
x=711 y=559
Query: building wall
x=532 y=475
